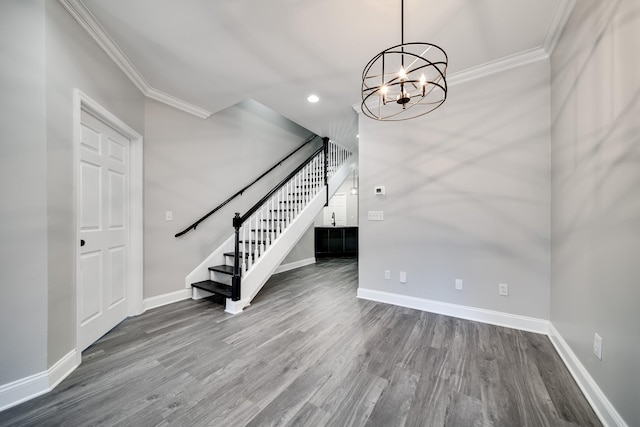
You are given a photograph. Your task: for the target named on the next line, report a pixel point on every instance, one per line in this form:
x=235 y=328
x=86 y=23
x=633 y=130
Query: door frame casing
x=135 y=266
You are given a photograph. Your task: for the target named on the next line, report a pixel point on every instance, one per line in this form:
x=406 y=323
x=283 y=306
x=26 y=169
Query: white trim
x=164 y=299
x=17 y=392
x=178 y=103
x=293 y=265
x=135 y=263
x=597 y=399
x=508 y=320
x=24 y=389
x=236 y=307
x=62 y=368
x=558 y=22
x=90 y=24
x=497 y=66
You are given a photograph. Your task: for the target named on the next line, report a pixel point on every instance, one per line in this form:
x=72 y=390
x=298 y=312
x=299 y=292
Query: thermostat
x=379 y=191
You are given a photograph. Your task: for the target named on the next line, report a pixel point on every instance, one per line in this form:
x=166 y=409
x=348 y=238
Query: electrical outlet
x=387 y=274
x=503 y=289
x=168 y=216
x=459 y=284
x=597 y=346
x=403 y=277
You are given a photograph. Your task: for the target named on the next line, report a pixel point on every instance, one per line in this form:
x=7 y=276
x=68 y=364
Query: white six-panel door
x=103 y=221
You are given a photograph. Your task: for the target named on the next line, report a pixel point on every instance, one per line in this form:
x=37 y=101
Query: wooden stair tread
x=224 y=269
x=214 y=287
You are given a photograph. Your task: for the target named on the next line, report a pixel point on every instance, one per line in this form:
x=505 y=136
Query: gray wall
x=595 y=194
x=467 y=196
x=23 y=191
x=192 y=165
x=303 y=250
x=73 y=60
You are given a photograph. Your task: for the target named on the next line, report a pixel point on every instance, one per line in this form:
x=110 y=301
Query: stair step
x=224 y=269
x=214 y=287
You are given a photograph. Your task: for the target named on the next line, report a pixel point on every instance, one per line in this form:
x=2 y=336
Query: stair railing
x=243 y=189
x=264 y=223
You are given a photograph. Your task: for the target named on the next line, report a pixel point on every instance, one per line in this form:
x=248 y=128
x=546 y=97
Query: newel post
x=236 y=279
x=325 y=146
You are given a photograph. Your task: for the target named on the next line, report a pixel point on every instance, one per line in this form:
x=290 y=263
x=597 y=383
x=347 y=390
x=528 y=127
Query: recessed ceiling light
x=313 y=98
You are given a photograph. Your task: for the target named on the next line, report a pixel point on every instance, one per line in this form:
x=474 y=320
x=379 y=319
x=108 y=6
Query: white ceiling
x=215 y=53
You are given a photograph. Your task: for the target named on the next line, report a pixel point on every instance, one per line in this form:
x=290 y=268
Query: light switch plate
x=168 y=216
x=375 y=215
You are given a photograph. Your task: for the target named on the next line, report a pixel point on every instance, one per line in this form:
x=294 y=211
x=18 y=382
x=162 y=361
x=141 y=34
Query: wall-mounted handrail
x=239 y=193
x=239 y=220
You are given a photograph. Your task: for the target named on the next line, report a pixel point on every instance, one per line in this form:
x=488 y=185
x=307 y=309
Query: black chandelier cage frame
x=439 y=84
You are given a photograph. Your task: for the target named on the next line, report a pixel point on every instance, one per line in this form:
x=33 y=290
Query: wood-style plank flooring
x=307 y=352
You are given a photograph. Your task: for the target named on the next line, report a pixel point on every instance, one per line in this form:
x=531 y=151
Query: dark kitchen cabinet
x=336 y=241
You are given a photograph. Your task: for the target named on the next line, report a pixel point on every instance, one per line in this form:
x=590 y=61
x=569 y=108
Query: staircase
x=264 y=235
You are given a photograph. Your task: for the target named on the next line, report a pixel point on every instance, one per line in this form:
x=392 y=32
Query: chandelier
x=404 y=81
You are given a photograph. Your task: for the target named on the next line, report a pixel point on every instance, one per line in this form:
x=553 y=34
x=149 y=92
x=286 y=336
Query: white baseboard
x=599 y=402
x=293 y=265
x=514 y=321
x=164 y=299
x=24 y=389
x=62 y=368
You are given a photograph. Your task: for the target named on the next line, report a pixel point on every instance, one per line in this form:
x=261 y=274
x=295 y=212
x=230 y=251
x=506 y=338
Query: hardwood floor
x=308 y=353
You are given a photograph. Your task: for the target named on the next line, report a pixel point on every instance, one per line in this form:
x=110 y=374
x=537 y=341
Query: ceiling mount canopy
x=404 y=81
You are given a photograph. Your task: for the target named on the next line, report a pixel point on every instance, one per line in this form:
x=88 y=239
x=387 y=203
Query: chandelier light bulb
x=383 y=90
x=423 y=83
x=402 y=74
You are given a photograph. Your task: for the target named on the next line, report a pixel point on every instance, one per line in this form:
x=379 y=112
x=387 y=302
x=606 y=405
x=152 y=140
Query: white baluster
x=249 y=248
x=243 y=267
x=274 y=213
x=283 y=197
x=317 y=167
x=303 y=188
x=307 y=176
x=277 y=214
x=265 y=234
x=295 y=199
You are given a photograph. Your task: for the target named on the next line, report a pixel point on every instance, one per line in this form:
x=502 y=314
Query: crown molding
x=174 y=102
x=556 y=26
x=502 y=64
x=90 y=24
